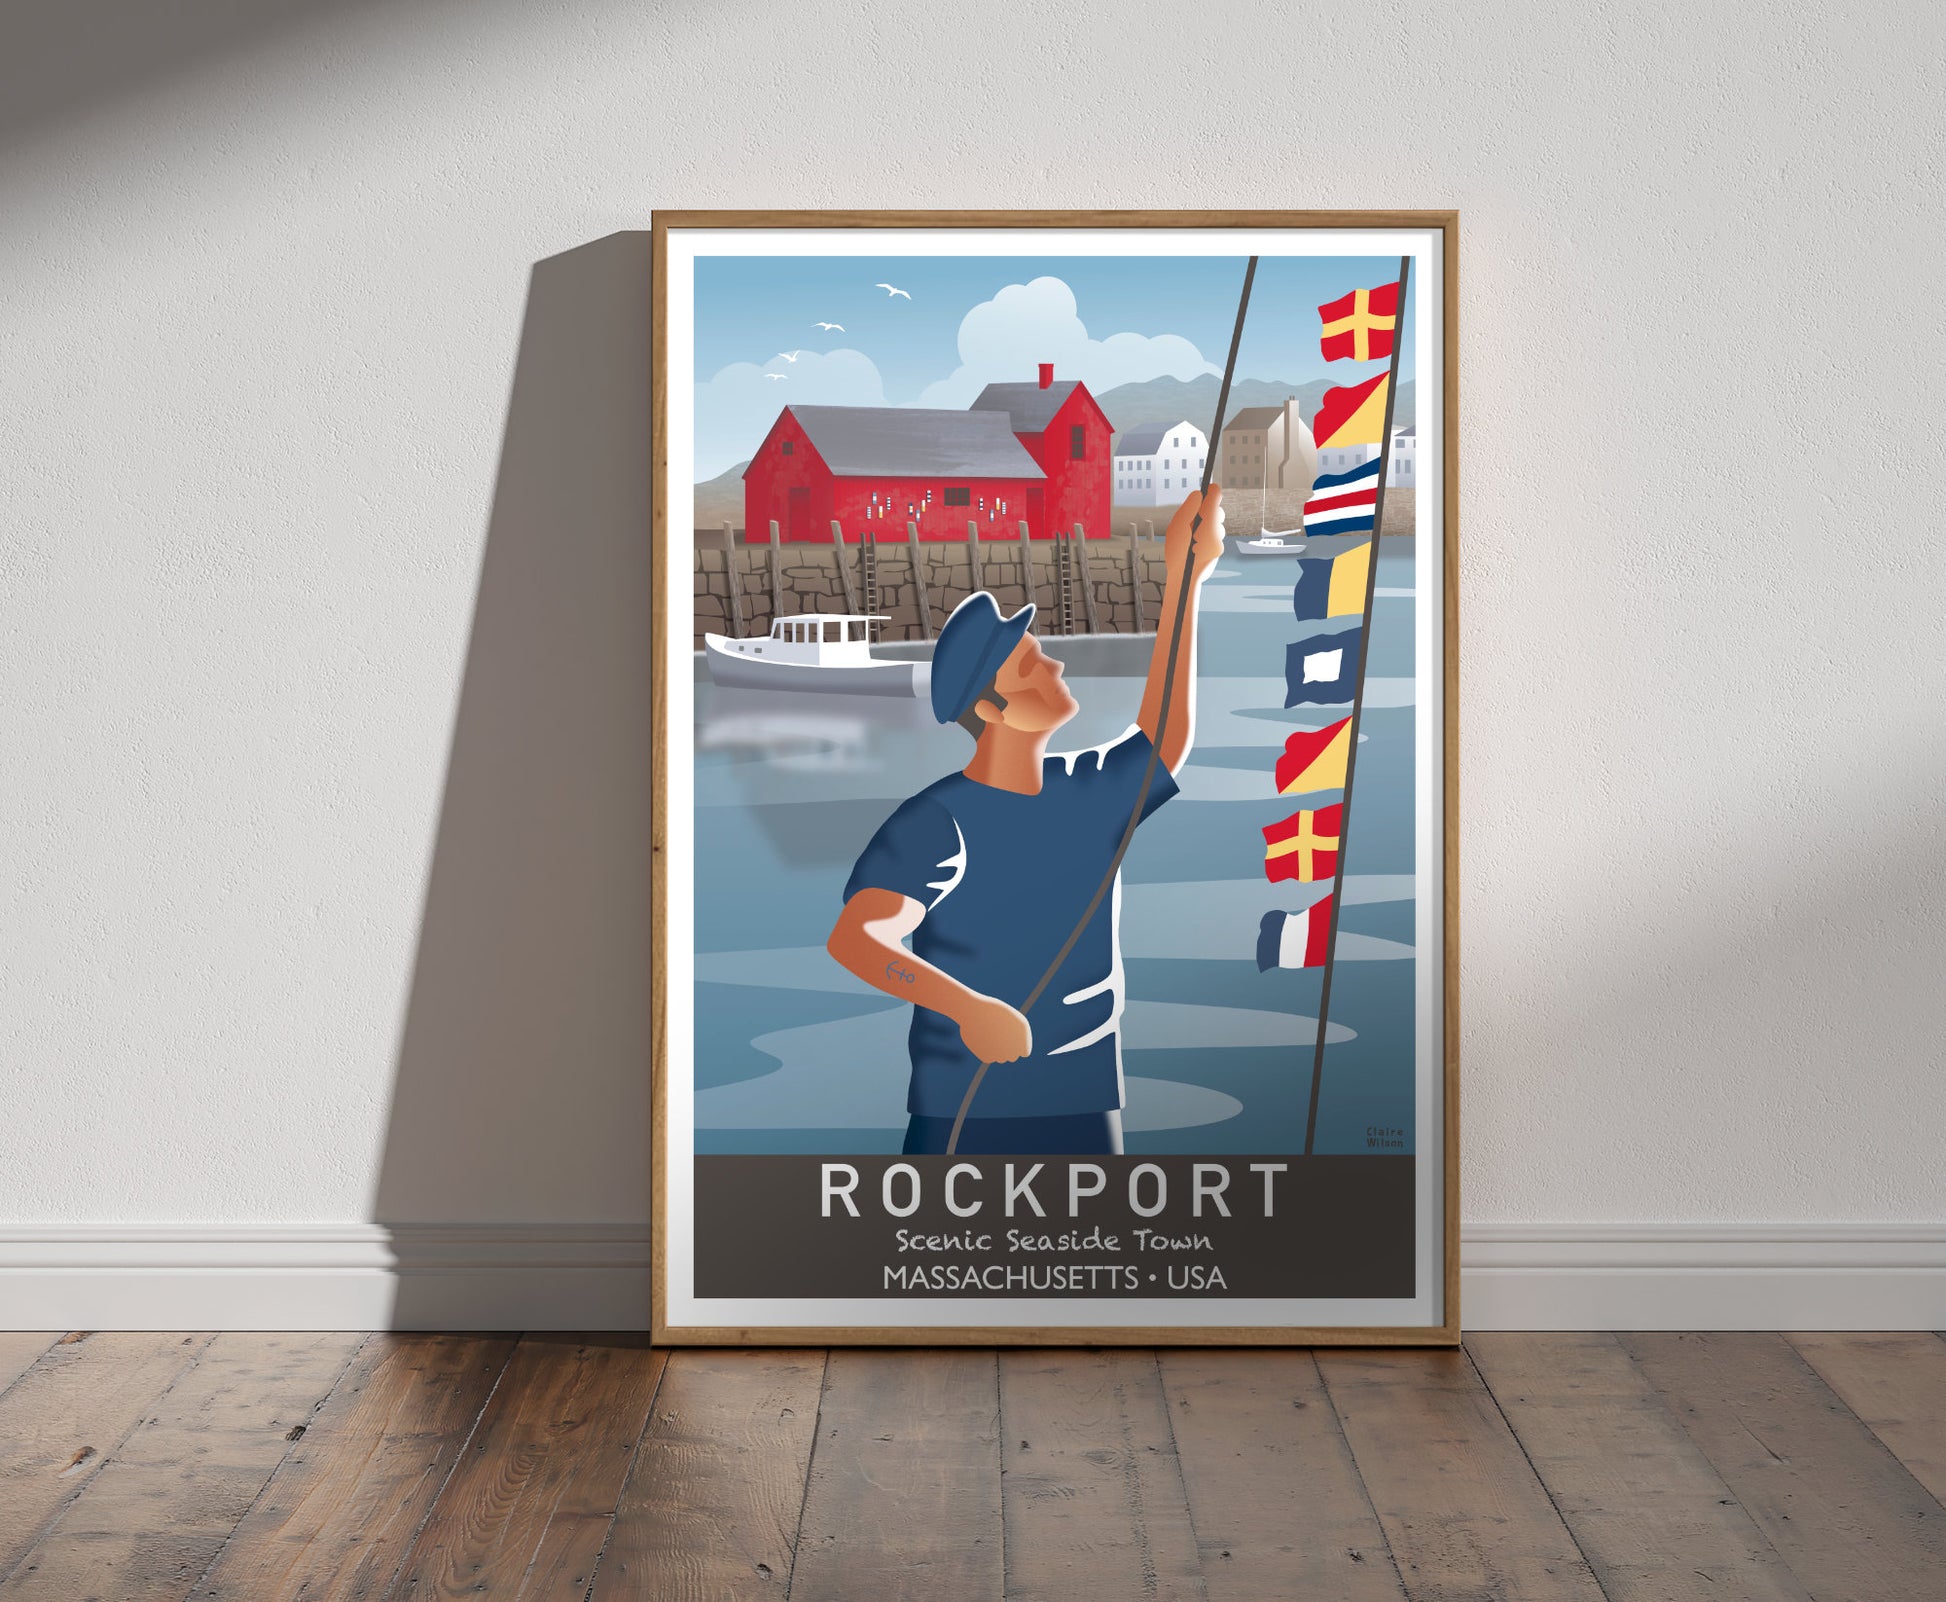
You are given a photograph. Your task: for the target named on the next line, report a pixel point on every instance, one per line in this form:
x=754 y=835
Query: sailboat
x=1271 y=541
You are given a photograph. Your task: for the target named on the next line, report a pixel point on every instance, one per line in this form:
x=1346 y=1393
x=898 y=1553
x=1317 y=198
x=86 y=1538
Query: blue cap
x=970 y=649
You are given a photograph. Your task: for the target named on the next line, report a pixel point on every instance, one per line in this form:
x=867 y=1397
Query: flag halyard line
x=1357 y=717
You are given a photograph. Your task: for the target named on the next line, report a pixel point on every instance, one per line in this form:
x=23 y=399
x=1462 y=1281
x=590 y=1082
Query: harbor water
x=795 y=1055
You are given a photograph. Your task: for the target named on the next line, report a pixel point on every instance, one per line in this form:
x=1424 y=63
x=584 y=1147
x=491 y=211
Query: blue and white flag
x=1322 y=670
x=1343 y=503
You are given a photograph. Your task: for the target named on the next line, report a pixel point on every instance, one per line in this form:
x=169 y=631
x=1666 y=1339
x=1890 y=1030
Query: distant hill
x=1172 y=400
x=720 y=500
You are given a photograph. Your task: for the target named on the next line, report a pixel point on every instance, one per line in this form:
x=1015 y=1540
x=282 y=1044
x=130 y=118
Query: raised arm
x=866 y=941
x=1203 y=547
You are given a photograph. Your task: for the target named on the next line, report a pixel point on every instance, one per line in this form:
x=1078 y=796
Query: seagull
x=890 y=291
x=777 y=375
x=827 y=327
x=788 y=355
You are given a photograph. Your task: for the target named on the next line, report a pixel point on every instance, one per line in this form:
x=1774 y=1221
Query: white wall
x=322 y=693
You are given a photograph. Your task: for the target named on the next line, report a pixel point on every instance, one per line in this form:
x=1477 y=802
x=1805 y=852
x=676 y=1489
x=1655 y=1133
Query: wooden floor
x=265 y=1467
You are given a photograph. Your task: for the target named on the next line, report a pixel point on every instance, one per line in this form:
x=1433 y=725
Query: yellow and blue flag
x=1332 y=586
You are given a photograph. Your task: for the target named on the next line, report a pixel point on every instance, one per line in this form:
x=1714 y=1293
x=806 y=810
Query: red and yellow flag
x=1361 y=325
x=1354 y=416
x=1304 y=846
x=1315 y=759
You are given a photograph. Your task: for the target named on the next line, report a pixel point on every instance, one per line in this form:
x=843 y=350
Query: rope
x=1161 y=720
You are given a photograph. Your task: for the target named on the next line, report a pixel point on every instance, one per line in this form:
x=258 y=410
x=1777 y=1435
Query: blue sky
x=1129 y=318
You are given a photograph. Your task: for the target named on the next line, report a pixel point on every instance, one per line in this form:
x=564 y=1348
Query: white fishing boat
x=825 y=652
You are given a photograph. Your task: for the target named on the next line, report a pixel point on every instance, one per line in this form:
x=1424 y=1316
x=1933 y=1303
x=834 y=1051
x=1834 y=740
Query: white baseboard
x=596 y=1276
x=1703 y=1276
x=332 y=1276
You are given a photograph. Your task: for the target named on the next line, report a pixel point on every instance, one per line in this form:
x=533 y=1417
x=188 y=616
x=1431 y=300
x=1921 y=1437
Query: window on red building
x=958 y=495
x=1078 y=442
x=789 y=446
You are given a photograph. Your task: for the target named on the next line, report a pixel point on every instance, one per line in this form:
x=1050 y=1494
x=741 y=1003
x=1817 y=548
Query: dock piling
x=730 y=578
x=776 y=576
x=838 y=556
x=1079 y=543
x=919 y=565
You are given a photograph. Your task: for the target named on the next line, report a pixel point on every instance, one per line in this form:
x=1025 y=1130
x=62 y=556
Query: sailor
x=986 y=869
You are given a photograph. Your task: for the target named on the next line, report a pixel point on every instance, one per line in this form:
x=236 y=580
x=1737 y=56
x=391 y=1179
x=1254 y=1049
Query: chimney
x=1047 y=375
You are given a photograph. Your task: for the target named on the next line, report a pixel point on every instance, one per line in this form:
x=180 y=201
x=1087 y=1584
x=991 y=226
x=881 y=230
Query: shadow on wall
x=83 y=55
x=522 y=1089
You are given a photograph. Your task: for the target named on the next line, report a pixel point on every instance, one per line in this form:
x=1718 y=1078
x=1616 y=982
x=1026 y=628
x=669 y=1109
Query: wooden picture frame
x=1428 y=241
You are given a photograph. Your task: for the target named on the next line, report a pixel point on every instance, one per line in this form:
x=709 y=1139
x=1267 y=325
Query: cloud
x=1005 y=339
x=735 y=409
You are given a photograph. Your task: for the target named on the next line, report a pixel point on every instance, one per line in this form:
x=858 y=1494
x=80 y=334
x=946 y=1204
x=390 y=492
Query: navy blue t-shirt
x=1002 y=877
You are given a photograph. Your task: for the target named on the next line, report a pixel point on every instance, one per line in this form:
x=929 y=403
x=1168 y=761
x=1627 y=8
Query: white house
x=1158 y=466
x=1402 y=470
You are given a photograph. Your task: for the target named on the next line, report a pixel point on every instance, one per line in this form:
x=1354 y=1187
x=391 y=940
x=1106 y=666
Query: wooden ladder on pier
x=868 y=573
x=1064 y=582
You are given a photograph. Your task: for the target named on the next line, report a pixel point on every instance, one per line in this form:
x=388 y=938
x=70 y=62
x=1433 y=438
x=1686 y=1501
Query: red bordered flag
x=1360 y=326
x=1315 y=759
x=1304 y=846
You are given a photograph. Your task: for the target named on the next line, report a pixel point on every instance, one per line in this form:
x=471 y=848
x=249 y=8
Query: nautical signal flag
x=1305 y=845
x=1360 y=325
x=1294 y=939
x=1354 y=416
x=1315 y=759
x=1332 y=586
x=1343 y=503
x=1321 y=670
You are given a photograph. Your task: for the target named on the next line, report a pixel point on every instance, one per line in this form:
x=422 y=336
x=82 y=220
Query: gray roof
x=1147 y=441
x=1031 y=407
x=860 y=440
x=1408 y=432
x=1142 y=441
x=1254 y=417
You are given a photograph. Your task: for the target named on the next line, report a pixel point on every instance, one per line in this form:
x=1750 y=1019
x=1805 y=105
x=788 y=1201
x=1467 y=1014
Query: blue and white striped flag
x=1343 y=503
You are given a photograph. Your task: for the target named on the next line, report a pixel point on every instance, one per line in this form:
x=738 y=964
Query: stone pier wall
x=808 y=581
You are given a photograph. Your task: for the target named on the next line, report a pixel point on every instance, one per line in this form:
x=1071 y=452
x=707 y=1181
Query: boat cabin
x=814 y=639
x=814 y=651
x=821 y=630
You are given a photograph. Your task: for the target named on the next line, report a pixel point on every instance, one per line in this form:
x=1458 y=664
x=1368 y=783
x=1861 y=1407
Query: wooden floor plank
x=337 y=1516
x=526 y=1512
x=903 y=1499
x=1651 y=1515
x=1094 y=1502
x=711 y=1504
x=20 y=1349
x=66 y=1416
x=1461 y=1507
x=1276 y=1501
x=1896 y=1383
x=149 y=1523
x=1839 y=1507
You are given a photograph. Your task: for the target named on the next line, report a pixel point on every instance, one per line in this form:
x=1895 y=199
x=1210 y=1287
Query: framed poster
x=1054 y=627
